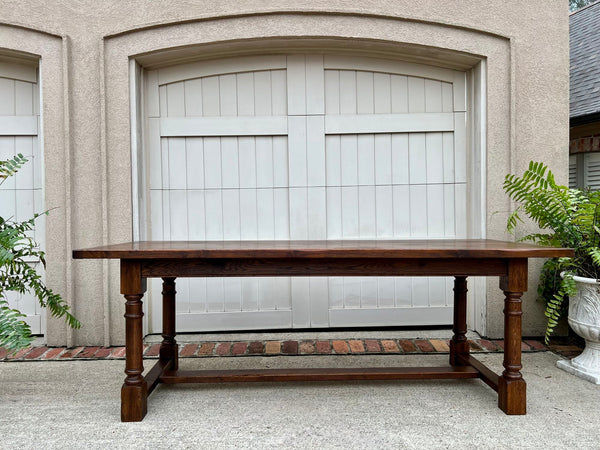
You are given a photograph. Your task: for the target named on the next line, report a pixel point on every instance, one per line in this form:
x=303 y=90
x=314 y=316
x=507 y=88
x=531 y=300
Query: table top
x=430 y=248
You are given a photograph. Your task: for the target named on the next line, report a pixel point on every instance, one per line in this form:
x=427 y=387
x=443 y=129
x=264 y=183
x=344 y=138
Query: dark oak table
x=458 y=258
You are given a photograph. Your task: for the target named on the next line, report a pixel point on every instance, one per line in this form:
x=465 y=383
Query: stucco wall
x=85 y=49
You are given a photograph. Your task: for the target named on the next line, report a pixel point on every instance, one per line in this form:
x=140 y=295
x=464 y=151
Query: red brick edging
x=270 y=348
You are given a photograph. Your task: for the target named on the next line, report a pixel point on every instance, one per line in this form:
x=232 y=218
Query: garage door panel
x=222 y=211
x=210 y=96
x=178 y=208
x=231 y=214
x=279 y=92
x=220 y=66
x=434 y=157
x=21 y=196
x=350 y=213
x=261 y=93
x=317 y=213
x=433 y=96
x=435 y=211
x=212 y=163
x=7 y=97
x=365 y=102
x=249 y=294
x=450 y=212
x=382 y=93
x=213 y=204
x=460 y=208
x=349 y=160
x=264 y=88
x=246 y=94
x=383 y=159
x=228 y=95
x=24 y=98
x=366 y=159
x=448 y=157
x=197 y=301
x=247 y=162
x=400 y=159
x=215 y=298
x=196 y=215
x=460 y=147
x=296 y=85
x=317 y=149
x=177 y=163
x=417 y=161
x=282 y=291
x=399 y=88
x=403 y=292
x=401 y=204
x=248 y=207
x=369 y=293
x=389 y=123
x=223 y=126
x=182 y=306
x=447 y=97
x=193 y=98
x=232 y=293
x=333 y=169
x=416 y=95
x=24 y=178
x=281 y=213
x=384 y=210
x=230 y=162
x=420 y=291
x=298 y=213
x=297 y=133
x=347 y=62
x=265 y=212
x=418 y=210
x=175 y=100
x=437 y=292
x=280 y=161
x=264 y=162
x=367 y=216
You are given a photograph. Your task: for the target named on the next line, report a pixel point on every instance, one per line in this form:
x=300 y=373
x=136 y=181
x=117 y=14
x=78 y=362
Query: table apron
x=272 y=267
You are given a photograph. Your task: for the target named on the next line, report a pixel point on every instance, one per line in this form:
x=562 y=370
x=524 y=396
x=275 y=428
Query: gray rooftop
x=585 y=60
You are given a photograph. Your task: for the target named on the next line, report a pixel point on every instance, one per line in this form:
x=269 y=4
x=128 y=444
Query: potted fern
x=17 y=252
x=567 y=218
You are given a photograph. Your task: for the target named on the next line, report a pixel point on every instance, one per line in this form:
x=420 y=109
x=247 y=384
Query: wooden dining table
x=458 y=258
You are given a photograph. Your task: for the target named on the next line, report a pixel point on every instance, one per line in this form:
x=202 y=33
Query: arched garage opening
x=306 y=144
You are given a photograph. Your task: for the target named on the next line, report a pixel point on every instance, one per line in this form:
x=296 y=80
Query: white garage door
x=21 y=195
x=306 y=147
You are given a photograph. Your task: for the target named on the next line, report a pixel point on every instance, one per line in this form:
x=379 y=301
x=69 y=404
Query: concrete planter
x=584 y=319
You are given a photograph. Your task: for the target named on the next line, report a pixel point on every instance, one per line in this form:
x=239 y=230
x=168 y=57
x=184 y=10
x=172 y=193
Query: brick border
x=273 y=348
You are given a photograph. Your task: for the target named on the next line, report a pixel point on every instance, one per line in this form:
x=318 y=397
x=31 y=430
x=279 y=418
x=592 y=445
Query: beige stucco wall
x=85 y=48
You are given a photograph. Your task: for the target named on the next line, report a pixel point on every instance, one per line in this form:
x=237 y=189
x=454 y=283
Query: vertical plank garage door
x=306 y=147
x=21 y=195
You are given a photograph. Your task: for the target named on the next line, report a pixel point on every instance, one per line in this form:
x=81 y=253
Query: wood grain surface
x=430 y=248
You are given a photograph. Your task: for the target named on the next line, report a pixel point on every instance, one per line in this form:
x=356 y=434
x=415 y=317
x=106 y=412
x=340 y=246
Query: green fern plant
x=567 y=218
x=17 y=252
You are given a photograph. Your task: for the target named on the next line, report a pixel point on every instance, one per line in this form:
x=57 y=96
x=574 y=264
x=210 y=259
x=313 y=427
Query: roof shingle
x=584 y=27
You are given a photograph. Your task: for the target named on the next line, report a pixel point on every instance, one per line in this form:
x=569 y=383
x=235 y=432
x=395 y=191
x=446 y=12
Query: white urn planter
x=584 y=319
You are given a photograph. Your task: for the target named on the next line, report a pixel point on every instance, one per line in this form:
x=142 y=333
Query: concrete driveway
x=75 y=404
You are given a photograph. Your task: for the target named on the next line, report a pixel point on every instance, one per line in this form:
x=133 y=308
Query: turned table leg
x=511 y=385
x=134 y=392
x=459 y=346
x=169 y=350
